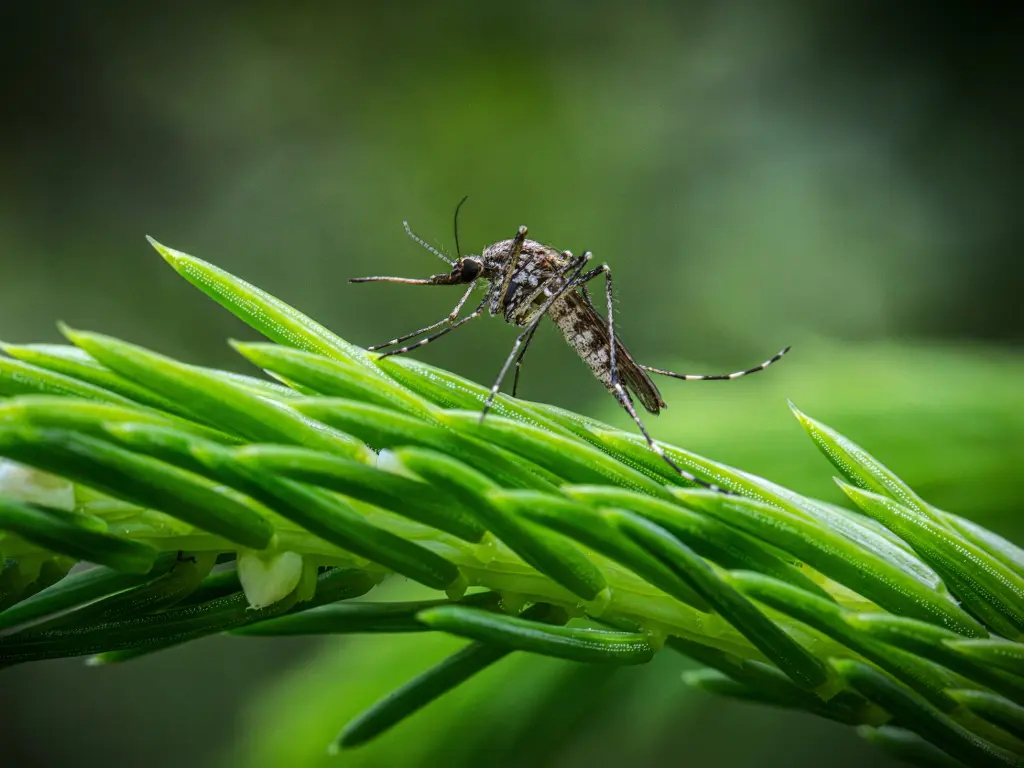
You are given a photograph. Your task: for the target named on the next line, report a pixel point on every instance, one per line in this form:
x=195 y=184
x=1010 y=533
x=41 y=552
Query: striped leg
x=623 y=397
x=450 y=319
x=423 y=342
x=571 y=281
x=718 y=376
x=511 y=262
x=519 y=361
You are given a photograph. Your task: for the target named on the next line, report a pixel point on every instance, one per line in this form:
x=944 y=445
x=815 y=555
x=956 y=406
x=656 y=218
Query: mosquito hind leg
x=450 y=319
x=423 y=342
x=718 y=376
x=620 y=392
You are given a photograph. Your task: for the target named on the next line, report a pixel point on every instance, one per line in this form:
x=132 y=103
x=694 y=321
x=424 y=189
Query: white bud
x=267 y=577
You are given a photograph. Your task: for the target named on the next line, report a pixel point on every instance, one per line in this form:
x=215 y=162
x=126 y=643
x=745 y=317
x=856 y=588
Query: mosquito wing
x=636 y=380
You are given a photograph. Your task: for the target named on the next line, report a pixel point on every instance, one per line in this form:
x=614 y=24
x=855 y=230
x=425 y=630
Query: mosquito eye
x=471 y=269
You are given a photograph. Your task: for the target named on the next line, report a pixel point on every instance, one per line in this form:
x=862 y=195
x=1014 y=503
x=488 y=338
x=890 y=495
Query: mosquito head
x=467 y=269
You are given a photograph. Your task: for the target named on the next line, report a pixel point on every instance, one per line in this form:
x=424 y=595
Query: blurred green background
x=845 y=177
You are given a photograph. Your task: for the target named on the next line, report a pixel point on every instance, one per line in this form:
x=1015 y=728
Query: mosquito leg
x=450 y=319
x=623 y=397
x=519 y=361
x=569 y=283
x=406 y=337
x=581 y=285
x=586 y=297
x=718 y=376
x=511 y=263
x=423 y=342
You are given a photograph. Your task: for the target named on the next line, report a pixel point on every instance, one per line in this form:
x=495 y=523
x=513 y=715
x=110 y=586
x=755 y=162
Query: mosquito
x=526 y=281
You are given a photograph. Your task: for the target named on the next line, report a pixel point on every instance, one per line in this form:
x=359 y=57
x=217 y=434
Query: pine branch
x=211 y=502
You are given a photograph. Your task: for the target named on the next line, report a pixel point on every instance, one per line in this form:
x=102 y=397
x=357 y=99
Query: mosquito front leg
x=569 y=283
x=718 y=376
x=423 y=342
x=620 y=393
x=450 y=319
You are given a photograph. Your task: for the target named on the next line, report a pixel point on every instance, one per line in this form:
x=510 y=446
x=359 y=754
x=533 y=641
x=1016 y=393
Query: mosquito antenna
x=427 y=245
x=458 y=252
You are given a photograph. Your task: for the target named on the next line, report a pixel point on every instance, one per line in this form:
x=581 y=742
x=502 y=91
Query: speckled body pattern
x=539 y=272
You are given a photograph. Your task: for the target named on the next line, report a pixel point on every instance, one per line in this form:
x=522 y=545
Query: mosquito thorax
x=496 y=255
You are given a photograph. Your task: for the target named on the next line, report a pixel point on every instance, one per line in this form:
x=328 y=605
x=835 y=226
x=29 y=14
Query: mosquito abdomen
x=583 y=335
x=587 y=333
